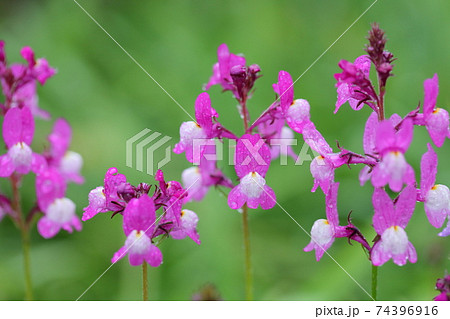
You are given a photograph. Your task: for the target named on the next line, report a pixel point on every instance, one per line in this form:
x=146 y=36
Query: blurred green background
x=107 y=99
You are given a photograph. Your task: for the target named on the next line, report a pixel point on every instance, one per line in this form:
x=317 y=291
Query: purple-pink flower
x=390 y=222
x=18 y=81
x=138 y=225
x=68 y=163
x=435 y=119
x=140 y=222
x=352 y=83
x=195 y=135
x=436 y=197
x=18 y=132
x=59 y=211
x=391 y=145
x=324 y=231
x=232 y=74
x=187 y=226
x=296 y=112
x=252 y=160
x=108 y=197
x=322 y=166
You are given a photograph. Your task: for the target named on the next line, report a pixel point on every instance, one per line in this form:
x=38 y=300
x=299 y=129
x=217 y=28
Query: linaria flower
x=252 y=160
x=18 y=132
x=436 y=197
x=390 y=222
x=69 y=163
x=324 y=231
x=391 y=145
x=59 y=211
x=138 y=225
x=435 y=119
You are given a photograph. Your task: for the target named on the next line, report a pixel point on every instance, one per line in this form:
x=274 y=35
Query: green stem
x=374 y=282
x=248 y=262
x=26 y=264
x=25 y=234
x=144 y=282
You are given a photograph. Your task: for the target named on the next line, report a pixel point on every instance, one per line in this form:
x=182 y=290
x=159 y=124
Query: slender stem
x=248 y=262
x=144 y=282
x=244 y=112
x=380 y=99
x=374 y=282
x=26 y=263
x=24 y=231
x=381 y=104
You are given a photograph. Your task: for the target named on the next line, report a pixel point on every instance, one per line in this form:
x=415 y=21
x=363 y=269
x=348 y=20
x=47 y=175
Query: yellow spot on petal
x=436 y=110
x=326 y=222
x=434 y=187
x=182 y=213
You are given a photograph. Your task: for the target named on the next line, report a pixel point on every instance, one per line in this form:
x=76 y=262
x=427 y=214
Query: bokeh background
x=107 y=99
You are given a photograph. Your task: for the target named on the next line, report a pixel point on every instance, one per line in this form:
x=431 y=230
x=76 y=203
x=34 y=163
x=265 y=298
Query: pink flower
x=26 y=96
x=436 y=119
x=322 y=166
x=222 y=69
x=69 y=163
x=110 y=197
x=324 y=231
x=391 y=146
x=59 y=211
x=296 y=112
x=436 y=197
x=252 y=160
x=171 y=196
x=18 y=131
x=194 y=135
x=19 y=81
x=389 y=222
x=39 y=69
x=353 y=84
x=187 y=227
x=138 y=225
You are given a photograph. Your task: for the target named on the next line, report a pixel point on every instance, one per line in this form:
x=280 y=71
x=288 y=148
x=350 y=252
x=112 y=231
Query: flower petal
x=236 y=199
x=48 y=228
x=428 y=170
x=431 y=88
x=384 y=211
x=139 y=215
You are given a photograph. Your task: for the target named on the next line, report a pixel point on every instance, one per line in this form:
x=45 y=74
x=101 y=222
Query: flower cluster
x=261 y=143
x=54 y=168
x=143 y=229
x=385 y=143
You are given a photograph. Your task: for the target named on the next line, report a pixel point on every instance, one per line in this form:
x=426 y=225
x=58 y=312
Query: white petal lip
x=438 y=198
x=322 y=232
x=252 y=185
x=138 y=242
x=21 y=154
x=395 y=240
x=61 y=211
